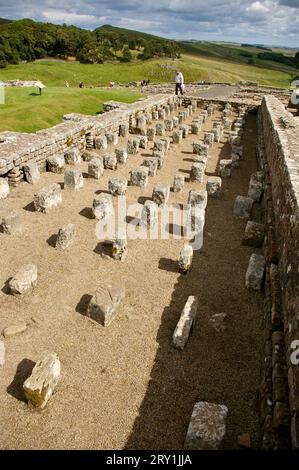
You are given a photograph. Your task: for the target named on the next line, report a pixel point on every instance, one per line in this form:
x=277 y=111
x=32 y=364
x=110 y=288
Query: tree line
x=27 y=40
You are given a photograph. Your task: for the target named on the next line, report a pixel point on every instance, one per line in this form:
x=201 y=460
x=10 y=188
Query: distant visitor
x=40 y=86
x=179 y=83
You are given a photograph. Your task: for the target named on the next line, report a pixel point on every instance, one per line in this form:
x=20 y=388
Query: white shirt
x=179 y=78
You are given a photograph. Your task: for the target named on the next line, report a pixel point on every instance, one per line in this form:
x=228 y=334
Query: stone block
x=65 y=237
x=48 y=198
x=143 y=142
x=11 y=223
x=151 y=133
x=103 y=306
x=4 y=188
x=225 y=168
x=119 y=249
x=208 y=138
x=88 y=155
x=73 y=179
x=31 y=172
x=152 y=164
x=186 y=322
x=197 y=172
x=214 y=184
x=15 y=329
x=178 y=183
x=175 y=121
x=255 y=272
x=168 y=125
x=139 y=177
x=149 y=214
x=133 y=146
x=166 y=143
x=118 y=186
x=56 y=164
x=112 y=138
x=24 y=280
x=124 y=130
x=254 y=234
x=110 y=162
x=39 y=387
x=72 y=157
x=200 y=148
x=161 y=114
x=242 y=207
x=195 y=128
x=160 y=158
x=121 y=156
x=96 y=168
x=256 y=188
x=102 y=206
x=177 y=137
x=207 y=427
x=185 y=130
x=161 y=194
x=198 y=198
x=159 y=146
x=160 y=129
x=185 y=259
x=100 y=142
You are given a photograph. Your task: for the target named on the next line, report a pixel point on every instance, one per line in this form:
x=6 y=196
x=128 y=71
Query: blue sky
x=274 y=22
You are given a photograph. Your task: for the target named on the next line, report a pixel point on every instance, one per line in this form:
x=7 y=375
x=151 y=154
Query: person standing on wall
x=179 y=83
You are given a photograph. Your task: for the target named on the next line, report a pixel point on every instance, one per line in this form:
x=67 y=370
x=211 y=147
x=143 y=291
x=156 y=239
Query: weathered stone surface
x=217 y=321
x=88 y=155
x=4 y=188
x=112 y=138
x=102 y=206
x=11 y=223
x=39 y=387
x=48 y=198
x=152 y=164
x=24 y=280
x=160 y=158
x=177 y=137
x=149 y=214
x=110 y=162
x=186 y=322
x=100 y=142
x=119 y=249
x=121 y=156
x=169 y=125
x=73 y=179
x=208 y=138
x=139 y=177
x=185 y=130
x=225 y=168
x=96 y=168
x=178 y=183
x=161 y=194
x=195 y=127
x=254 y=234
x=281 y=415
x=31 y=172
x=133 y=146
x=56 y=164
x=124 y=130
x=197 y=172
x=200 y=149
x=72 y=157
x=175 y=121
x=159 y=146
x=256 y=187
x=185 y=259
x=217 y=134
x=143 y=142
x=65 y=237
x=104 y=304
x=207 y=427
x=151 y=133
x=118 y=186
x=161 y=113
x=198 y=198
x=160 y=129
x=214 y=184
x=166 y=143
x=242 y=207
x=15 y=329
x=255 y=272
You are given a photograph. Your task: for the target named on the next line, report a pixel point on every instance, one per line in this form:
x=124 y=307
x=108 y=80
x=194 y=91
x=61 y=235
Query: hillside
x=4 y=21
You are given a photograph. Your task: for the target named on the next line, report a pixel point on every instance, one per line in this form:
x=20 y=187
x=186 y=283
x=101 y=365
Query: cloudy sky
x=273 y=22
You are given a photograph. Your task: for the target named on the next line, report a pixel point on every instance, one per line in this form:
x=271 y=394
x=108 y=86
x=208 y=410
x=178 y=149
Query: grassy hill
x=4 y=21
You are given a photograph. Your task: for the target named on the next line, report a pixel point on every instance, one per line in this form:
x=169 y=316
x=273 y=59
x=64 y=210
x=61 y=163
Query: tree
x=127 y=56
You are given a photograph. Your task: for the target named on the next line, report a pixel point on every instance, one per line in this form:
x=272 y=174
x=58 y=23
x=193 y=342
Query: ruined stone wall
x=278 y=152
x=16 y=148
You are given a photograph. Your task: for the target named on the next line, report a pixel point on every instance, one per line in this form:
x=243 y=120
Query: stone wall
x=16 y=148
x=278 y=152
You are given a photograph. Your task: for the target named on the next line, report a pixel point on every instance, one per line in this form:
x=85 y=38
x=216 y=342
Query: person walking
x=179 y=83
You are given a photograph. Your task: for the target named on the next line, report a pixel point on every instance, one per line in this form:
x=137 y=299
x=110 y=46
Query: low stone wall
x=278 y=151
x=16 y=148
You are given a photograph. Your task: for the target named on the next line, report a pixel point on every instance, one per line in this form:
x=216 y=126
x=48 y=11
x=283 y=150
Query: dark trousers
x=178 y=86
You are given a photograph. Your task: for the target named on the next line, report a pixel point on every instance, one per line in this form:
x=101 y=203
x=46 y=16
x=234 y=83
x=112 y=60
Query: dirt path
x=125 y=386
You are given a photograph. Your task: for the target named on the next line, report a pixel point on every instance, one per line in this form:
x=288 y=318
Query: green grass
x=26 y=111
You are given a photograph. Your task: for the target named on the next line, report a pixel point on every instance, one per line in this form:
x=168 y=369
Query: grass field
x=25 y=111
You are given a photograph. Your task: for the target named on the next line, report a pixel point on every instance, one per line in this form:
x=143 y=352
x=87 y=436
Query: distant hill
x=3 y=20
